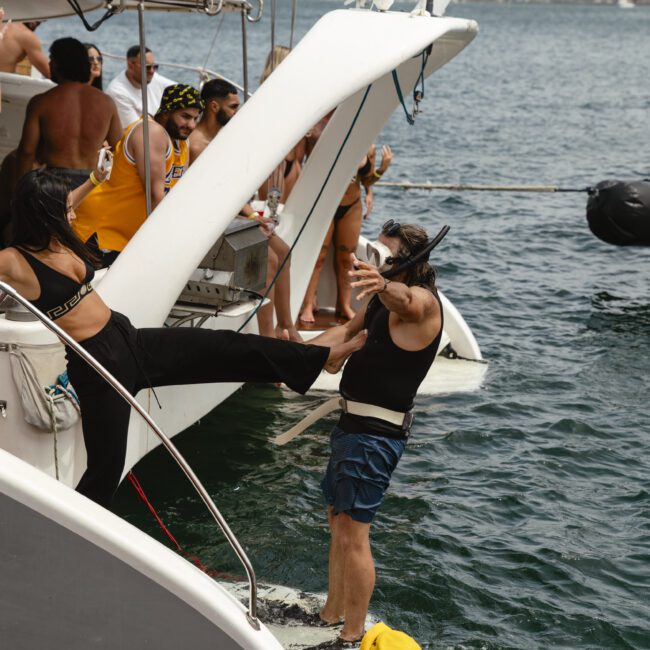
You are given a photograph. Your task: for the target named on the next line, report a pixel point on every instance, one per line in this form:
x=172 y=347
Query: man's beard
x=174 y=132
x=222 y=118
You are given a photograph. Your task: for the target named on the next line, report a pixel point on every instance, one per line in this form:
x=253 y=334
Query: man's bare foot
x=323 y=619
x=339 y=353
x=288 y=334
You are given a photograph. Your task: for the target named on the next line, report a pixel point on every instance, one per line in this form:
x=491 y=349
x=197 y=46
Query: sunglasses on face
x=95 y=59
x=152 y=66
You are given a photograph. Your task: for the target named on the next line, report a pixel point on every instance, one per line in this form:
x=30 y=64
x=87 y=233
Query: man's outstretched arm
x=32 y=46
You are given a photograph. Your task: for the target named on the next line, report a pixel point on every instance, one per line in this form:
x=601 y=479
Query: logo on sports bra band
x=68 y=305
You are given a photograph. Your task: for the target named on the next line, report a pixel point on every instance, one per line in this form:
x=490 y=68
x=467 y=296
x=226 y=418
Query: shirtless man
x=221 y=104
x=18 y=41
x=66 y=126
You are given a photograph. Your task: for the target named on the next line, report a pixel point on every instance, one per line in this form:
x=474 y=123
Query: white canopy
x=24 y=10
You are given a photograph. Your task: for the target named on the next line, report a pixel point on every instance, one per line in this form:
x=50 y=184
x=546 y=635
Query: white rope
x=50 y=400
x=50 y=395
x=460 y=187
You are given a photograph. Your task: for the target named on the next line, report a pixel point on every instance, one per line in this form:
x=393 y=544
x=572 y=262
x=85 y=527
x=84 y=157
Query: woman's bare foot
x=339 y=353
x=288 y=334
x=345 y=313
x=307 y=315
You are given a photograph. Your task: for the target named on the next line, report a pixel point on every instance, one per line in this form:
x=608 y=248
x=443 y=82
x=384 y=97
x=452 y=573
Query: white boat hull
x=149 y=275
x=75 y=576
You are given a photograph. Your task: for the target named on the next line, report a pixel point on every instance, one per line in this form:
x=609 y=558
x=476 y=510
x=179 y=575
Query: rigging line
x=398 y=89
x=143 y=497
x=214 y=40
x=425 y=58
x=472 y=187
x=409 y=117
x=79 y=11
x=311 y=211
x=179 y=549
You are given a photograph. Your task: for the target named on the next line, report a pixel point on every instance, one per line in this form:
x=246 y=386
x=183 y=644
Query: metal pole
x=293 y=23
x=273 y=34
x=145 y=107
x=244 y=47
x=169 y=445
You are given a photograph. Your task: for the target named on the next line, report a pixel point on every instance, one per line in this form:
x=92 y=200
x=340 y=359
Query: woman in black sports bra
x=344 y=231
x=49 y=266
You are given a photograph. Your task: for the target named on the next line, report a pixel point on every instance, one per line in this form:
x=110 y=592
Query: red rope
x=143 y=497
x=192 y=558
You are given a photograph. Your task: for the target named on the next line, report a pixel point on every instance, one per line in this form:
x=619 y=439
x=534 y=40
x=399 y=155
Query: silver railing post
x=171 y=448
x=293 y=23
x=145 y=107
x=244 y=50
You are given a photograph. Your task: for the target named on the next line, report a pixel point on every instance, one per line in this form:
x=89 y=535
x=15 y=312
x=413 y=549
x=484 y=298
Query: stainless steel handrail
x=145 y=108
x=201 y=72
x=212 y=7
x=171 y=448
x=260 y=12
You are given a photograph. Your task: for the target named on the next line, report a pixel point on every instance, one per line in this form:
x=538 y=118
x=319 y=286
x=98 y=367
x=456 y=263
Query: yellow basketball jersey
x=117 y=208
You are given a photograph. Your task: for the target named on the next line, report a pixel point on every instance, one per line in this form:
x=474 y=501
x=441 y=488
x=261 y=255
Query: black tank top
x=59 y=293
x=383 y=374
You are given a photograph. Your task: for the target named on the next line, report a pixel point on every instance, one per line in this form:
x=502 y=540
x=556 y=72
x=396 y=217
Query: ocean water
x=519 y=516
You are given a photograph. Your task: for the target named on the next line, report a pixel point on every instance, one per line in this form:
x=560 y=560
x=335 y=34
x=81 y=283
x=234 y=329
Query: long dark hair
x=39 y=213
x=413 y=239
x=97 y=83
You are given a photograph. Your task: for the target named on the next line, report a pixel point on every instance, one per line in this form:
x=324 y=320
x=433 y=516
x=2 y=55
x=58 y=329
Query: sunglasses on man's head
x=391 y=228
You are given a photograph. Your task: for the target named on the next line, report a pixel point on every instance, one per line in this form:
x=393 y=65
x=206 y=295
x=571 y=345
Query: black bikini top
x=59 y=293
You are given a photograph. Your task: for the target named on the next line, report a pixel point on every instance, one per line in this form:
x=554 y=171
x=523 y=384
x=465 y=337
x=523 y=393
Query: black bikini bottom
x=342 y=210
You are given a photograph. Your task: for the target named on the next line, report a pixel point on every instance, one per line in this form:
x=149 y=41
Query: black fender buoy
x=618 y=212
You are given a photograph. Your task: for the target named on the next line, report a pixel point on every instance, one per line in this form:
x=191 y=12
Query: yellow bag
x=381 y=637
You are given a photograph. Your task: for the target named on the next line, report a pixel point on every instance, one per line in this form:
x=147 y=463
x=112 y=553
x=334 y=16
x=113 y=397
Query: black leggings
x=143 y=358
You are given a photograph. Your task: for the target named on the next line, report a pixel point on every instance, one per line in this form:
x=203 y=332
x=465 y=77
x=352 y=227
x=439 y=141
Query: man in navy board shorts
x=404 y=320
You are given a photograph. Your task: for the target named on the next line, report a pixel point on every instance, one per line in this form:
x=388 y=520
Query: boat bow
x=329 y=68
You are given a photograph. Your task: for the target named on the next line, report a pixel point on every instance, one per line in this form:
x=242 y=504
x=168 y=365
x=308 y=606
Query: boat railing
x=204 y=74
x=171 y=448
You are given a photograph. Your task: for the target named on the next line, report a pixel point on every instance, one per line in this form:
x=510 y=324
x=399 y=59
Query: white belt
x=397 y=418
